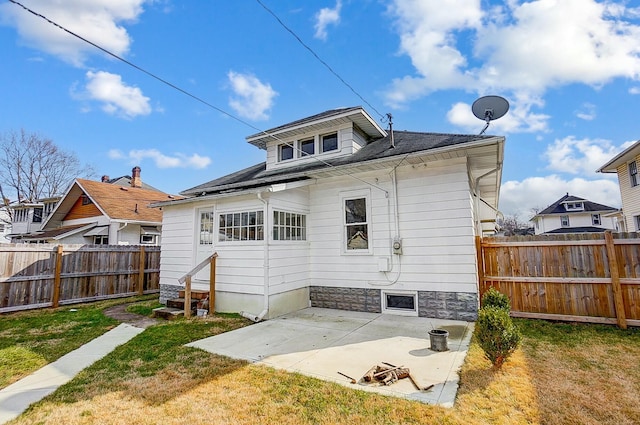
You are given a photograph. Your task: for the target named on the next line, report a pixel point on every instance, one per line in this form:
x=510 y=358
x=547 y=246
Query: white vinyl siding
x=436 y=227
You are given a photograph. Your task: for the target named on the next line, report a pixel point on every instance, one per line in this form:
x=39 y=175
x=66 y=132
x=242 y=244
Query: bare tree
x=32 y=168
x=511 y=225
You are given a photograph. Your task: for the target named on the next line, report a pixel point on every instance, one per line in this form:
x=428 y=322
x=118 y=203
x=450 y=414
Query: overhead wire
x=277 y=18
x=191 y=95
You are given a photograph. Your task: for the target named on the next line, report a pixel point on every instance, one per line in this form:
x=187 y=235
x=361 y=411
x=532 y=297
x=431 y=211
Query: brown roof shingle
x=125 y=203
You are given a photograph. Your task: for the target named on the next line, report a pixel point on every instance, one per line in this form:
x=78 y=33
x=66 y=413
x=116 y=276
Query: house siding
x=551 y=222
x=436 y=224
x=630 y=196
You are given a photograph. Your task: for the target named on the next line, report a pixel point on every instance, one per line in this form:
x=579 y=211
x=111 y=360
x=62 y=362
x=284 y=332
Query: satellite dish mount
x=489 y=108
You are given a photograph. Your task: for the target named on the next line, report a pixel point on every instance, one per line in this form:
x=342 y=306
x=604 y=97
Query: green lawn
x=562 y=374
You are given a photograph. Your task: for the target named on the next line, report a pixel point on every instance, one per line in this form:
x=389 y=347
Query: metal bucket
x=438 y=338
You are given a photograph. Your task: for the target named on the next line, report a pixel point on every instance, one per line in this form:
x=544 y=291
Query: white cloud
x=519 y=48
x=177 y=160
x=99 y=21
x=521 y=197
x=519 y=119
x=252 y=98
x=579 y=156
x=587 y=112
x=326 y=17
x=634 y=90
x=116 y=97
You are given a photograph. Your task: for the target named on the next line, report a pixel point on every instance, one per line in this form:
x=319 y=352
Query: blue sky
x=569 y=68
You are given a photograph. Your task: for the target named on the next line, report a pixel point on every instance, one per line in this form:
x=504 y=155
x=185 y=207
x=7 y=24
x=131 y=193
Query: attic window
x=285 y=152
x=329 y=142
x=307 y=147
x=574 y=206
x=86 y=200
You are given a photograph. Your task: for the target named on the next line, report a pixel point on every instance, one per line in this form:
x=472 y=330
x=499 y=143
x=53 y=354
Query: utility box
x=397 y=246
x=383 y=264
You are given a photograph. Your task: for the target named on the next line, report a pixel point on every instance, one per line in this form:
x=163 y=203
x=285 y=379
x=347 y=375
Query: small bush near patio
x=495 y=298
x=497 y=335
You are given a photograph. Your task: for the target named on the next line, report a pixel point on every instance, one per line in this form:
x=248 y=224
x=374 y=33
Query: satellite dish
x=489 y=108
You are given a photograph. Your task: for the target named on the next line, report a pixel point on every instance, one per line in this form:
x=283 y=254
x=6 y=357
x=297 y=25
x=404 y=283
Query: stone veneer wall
x=448 y=305
x=440 y=305
x=354 y=299
x=168 y=292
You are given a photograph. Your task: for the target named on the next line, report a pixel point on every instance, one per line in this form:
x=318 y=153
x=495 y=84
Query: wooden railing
x=186 y=281
x=36 y=276
x=579 y=277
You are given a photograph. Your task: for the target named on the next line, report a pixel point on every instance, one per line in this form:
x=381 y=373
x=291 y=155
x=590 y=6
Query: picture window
x=329 y=142
x=307 y=147
x=285 y=152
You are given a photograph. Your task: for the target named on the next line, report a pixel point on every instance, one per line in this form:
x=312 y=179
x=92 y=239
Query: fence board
x=565 y=276
x=28 y=277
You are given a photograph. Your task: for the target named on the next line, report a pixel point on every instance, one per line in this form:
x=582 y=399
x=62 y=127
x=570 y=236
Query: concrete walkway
x=17 y=397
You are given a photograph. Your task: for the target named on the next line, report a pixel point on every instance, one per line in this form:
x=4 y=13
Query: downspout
x=266 y=225
x=475 y=192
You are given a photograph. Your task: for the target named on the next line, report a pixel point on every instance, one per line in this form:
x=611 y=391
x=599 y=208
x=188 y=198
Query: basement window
x=402 y=303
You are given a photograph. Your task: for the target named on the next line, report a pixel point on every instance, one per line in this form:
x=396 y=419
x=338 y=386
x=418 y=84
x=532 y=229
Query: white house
x=572 y=214
x=625 y=164
x=103 y=213
x=342 y=214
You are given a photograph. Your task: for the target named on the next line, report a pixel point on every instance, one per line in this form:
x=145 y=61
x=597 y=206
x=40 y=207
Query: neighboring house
x=625 y=164
x=5 y=226
x=341 y=215
x=28 y=217
x=572 y=214
x=99 y=213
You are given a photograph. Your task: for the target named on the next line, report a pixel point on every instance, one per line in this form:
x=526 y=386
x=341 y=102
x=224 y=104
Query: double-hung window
x=633 y=173
x=564 y=220
x=637 y=222
x=356 y=224
x=595 y=219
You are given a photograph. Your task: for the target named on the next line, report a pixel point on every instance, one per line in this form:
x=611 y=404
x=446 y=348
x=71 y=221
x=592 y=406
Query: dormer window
x=285 y=152
x=307 y=147
x=574 y=206
x=329 y=142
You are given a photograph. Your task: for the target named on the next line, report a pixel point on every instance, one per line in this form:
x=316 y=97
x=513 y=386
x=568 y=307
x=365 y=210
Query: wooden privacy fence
x=578 y=277
x=36 y=276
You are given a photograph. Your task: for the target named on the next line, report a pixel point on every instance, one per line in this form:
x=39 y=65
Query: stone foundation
x=439 y=305
x=168 y=292
x=354 y=299
x=448 y=305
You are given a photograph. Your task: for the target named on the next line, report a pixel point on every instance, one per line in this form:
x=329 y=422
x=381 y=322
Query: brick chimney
x=136 y=181
x=105 y=179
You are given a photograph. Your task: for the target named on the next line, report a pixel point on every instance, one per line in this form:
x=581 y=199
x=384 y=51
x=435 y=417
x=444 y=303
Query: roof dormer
x=335 y=133
x=573 y=204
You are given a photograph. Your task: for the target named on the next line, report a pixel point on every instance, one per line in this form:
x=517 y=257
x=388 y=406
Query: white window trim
x=265 y=231
x=596 y=217
x=356 y=194
x=396 y=311
x=568 y=221
x=633 y=176
x=288 y=241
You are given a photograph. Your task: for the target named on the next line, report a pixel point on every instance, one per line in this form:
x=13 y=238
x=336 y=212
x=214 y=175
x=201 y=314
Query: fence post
x=480 y=262
x=618 y=301
x=187 y=296
x=141 y=271
x=212 y=284
x=55 y=298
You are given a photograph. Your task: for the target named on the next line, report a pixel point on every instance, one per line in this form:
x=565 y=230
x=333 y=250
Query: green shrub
x=497 y=335
x=495 y=298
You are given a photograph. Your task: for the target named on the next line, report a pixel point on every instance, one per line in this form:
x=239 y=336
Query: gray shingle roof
x=406 y=142
x=558 y=208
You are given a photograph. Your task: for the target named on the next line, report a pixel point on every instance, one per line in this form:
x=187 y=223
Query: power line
x=199 y=99
x=382 y=117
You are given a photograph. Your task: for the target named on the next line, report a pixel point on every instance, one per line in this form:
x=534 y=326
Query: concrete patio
x=322 y=342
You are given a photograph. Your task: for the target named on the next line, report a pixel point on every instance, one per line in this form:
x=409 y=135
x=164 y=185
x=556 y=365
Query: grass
x=562 y=374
